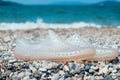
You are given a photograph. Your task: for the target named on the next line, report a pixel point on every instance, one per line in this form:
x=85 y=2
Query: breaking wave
x=40 y=24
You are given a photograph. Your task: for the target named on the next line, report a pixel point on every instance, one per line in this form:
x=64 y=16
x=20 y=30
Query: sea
x=54 y=16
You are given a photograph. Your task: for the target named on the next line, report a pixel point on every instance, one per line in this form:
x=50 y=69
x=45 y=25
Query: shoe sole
x=62 y=59
x=101 y=56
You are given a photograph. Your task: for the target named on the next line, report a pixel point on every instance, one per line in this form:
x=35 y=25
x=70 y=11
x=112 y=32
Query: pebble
x=12 y=60
x=24 y=66
x=110 y=69
x=108 y=77
x=15 y=78
x=66 y=68
x=91 y=71
x=6 y=39
x=32 y=68
x=61 y=78
x=61 y=72
x=55 y=77
x=60 y=66
x=26 y=78
x=67 y=75
x=103 y=70
x=87 y=67
x=20 y=75
x=42 y=69
x=37 y=75
x=114 y=71
x=10 y=67
x=69 y=78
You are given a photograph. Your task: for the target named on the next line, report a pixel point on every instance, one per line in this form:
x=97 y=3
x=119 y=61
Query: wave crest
x=40 y=24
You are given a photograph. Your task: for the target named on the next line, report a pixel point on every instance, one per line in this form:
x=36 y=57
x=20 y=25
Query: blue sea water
x=58 y=16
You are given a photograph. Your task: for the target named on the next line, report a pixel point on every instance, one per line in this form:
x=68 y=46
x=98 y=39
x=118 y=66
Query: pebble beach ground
x=13 y=69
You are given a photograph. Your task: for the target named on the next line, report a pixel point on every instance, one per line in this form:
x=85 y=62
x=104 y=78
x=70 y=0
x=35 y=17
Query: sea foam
x=40 y=24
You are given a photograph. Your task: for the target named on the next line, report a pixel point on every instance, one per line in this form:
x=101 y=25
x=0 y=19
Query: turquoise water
x=107 y=15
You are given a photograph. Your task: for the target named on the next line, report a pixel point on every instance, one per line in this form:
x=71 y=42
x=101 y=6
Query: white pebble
x=55 y=77
x=66 y=68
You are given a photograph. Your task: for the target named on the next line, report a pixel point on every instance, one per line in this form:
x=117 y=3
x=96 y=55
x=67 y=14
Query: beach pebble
x=10 y=67
x=12 y=60
x=101 y=64
x=33 y=79
x=69 y=78
x=114 y=71
x=15 y=78
x=26 y=78
x=72 y=65
x=24 y=66
x=66 y=68
x=21 y=75
x=61 y=72
x=60 y=66
x=55 y=77
x=6 y=39
x=91 y=71
x=82 y=65
x=42 y=69
x=32 y=68
x=87 y=67
x=61 y=78
x=74 y=78
x=67 y=75
x=103 y=70
x=110 y=69
x=108 y=77
x=37 y=75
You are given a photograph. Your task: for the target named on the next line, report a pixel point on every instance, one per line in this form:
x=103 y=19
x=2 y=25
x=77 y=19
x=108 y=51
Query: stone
x=12 y=60
x=110 y=69
x=24 y=66
x=72 y=72
x=72 y=65
x=61 y=72
x=62 y=78
x=77 y=69
x=33 y=79
x=103 y=70
x=32 y=68
x=36 y=64
x=74 y=78
x=55 y=77
x=91 y=71
x=108 y=77
x=82 y=65
x=37 y=75
x=42 y=69
x=69 y=78
x=52 y=65
x=7 y=72
x=21 y=74
x=87 y=67
x=6 y=39
x=114 y=76
x=114 y=71
x=26 y=78
x=15 y=78
x=101 y=64
x=66 y=68
x=10 y=67
x=27 y=73
x=60 y=66
x=67 y=75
